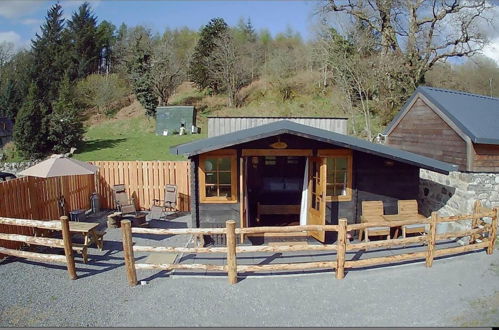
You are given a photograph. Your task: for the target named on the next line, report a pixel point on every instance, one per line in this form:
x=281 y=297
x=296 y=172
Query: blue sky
x=20 y=19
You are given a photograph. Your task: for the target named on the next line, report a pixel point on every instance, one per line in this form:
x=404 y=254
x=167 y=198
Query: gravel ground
x=457 y=291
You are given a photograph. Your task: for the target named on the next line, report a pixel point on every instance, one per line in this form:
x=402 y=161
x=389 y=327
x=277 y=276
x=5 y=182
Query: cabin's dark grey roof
x=476 y=115
x=288 y=127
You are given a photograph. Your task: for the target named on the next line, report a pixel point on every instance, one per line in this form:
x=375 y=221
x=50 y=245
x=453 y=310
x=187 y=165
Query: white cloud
x=492 y=50
x=14 y=38
x=31 y=21
x=16 y=9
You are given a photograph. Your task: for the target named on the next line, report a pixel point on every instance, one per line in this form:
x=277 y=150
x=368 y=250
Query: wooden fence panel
x=144 y=180
x=36 y=198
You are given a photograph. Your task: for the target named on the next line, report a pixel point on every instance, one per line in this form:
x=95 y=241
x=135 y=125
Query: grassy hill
x=130 y=135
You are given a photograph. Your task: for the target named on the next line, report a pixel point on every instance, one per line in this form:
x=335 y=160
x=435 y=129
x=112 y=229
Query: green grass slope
x=129 y=137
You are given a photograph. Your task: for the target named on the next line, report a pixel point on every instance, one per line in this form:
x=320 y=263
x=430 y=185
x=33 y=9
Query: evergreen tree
x=49 y=55
x=85 y=53
x=31 y=126
x=66 y=127
x=10 y=99
x=139 y=69
x=199 y=66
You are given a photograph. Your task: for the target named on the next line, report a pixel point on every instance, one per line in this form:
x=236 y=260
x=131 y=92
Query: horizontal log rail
x=386 y=243
x=54 y=225
x=50 y=242
x=33 y=255
x=182 y=231
x=287 y=229
x=65 y=242
x=431 y=249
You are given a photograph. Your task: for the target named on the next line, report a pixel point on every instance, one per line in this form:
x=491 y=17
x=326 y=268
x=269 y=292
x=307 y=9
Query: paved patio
x=457 y=291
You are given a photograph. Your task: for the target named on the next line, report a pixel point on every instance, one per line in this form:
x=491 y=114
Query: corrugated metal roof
x=476 y=115
x=288 y=127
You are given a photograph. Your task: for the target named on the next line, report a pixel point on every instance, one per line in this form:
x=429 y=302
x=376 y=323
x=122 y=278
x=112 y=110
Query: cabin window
x=339 y=174
x=218 y=177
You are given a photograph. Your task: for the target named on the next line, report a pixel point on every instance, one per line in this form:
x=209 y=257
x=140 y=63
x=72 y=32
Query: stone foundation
x=455 y=194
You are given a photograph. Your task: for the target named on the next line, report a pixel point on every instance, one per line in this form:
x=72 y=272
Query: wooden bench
x=82 y=249
x=100 y=238
x=263 y=209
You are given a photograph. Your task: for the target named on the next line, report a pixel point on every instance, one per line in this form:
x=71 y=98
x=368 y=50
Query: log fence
x=64 y=243
x=482 y=236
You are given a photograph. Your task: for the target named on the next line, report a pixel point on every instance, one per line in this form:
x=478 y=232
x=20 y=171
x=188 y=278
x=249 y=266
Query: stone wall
x=455 y=194
x=15 y=168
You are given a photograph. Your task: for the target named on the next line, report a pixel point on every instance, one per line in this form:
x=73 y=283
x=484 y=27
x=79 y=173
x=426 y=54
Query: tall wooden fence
x=37 y=199
x=144 y=181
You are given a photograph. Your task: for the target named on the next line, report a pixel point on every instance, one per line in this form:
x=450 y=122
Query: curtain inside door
x=304 y=197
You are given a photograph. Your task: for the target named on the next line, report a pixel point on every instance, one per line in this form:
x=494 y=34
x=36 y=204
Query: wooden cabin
x=285 y=173
x=451 y=126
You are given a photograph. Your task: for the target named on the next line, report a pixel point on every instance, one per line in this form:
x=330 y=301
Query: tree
x=422 y=33
x=166 y=69
x=105 y=43
x=30 y=128
x=66 y=128
x=85 y=50
x=15 y=78
x=139 y=69
x=49 y=55
x=199 y=65
x=226 y=69
x=6 y=52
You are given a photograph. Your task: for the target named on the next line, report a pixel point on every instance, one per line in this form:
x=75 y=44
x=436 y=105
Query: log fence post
x=493 y=232
x=342 y=247
x=126 y=229
x=68 y=247
x=230 y=225
x=474 y=220
x=431 y=239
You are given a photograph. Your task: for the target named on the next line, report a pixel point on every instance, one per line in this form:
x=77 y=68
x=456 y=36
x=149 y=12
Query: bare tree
x=226 y=69
x=422 y=32
x=167 y=71
x=6 y=52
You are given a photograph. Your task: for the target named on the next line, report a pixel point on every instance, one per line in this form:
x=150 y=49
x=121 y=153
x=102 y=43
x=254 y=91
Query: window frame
x=226 y=153
x=331 y=153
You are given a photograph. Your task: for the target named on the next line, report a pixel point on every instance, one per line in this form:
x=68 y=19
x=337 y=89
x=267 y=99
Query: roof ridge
x=459 y=92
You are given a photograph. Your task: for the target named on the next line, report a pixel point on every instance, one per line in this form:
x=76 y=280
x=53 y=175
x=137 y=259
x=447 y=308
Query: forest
x=363 y=62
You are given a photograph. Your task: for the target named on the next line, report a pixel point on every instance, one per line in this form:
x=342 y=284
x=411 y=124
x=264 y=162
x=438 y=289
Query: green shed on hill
x=170 y=119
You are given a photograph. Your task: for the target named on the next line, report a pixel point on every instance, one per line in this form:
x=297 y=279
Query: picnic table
x=90 y=236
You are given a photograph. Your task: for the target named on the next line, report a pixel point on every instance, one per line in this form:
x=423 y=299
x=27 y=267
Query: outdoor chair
x=159 y=208
x=410 y=209
x=124 y=204
x=372 y=211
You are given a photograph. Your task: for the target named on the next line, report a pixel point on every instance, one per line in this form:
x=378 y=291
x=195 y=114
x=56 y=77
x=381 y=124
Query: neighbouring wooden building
x=285 y=173
x=225 y=125
x=451 y=126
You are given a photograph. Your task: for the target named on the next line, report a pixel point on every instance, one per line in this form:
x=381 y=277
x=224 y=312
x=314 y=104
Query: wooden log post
x=431 y=239
x=68 y=247
x=230 y=225
x=493 y=232
x=474 y=220
x=126 y=229
x=342 y=247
